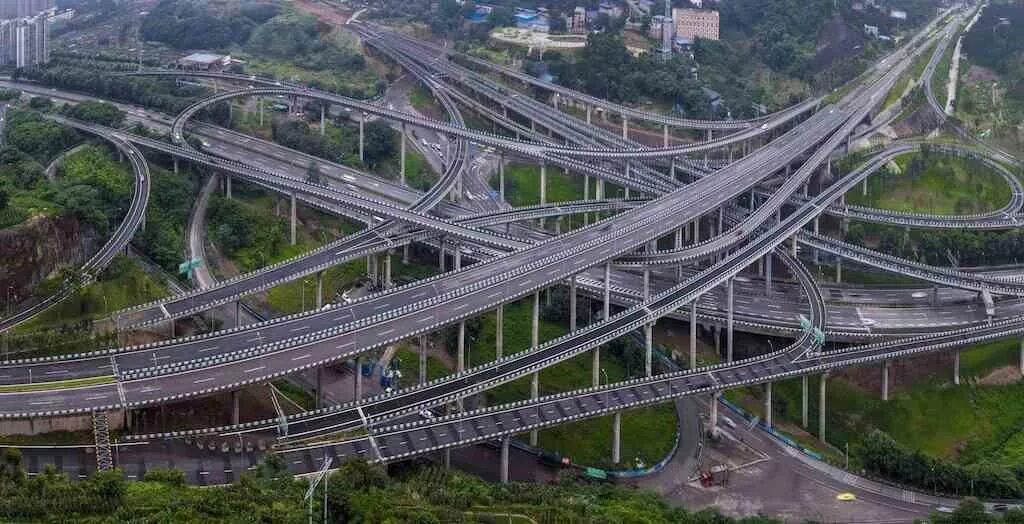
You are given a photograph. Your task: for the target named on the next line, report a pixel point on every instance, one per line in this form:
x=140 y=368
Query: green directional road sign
x=819 y=337
x=805 y=324
x=186 y=267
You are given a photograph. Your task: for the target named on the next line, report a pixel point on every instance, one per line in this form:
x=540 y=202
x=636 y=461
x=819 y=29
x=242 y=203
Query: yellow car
x=846 y=497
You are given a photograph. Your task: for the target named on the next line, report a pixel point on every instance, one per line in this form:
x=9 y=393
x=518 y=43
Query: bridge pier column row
x=227 y=186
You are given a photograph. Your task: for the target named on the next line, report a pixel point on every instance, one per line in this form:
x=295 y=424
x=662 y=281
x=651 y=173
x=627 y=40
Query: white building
x=25 y=42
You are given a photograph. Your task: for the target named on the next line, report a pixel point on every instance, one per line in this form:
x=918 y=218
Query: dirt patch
x=903 y=372
x=1001 y=376
x=977 y=74
x=325 y=13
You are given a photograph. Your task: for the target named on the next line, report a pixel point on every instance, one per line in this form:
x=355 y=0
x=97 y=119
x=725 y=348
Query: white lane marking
x=300 y=357
x=202 y=380
x=255 y=369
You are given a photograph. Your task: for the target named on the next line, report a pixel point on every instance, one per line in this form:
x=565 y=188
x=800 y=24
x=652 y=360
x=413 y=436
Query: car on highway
x=846 y=497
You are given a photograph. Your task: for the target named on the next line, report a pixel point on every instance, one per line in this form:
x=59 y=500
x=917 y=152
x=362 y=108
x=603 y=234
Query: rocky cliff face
x=35 y=250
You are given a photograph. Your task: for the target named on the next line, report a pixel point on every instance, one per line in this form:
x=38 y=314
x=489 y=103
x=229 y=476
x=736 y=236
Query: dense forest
x=997 y=42
x=356 y=492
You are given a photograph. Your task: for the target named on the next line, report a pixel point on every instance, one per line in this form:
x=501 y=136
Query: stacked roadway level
x=425 y=306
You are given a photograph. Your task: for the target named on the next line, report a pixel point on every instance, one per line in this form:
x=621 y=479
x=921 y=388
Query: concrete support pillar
x=359 y=378
x=322 y=111
x=259 y=103
x=362 y=138
x=839 y=270
x=768 y=404
x=405 y=254
x=501 y=175
x=441 y=263
x=534 y=393
x=729 y=320
x=625 y=127
x=821 y=406
x=175 y=160
x=616 y=438
x=535 y=321
x=648 y=349
x=664 y=141
x=693 y=333
x=589 y=108
x=499 y=331
x=572 y=303
x=505 y=441
x=713 y=415
x=815 y=254
x=401 y=154
x=606 y=306
x=227 y=186
x=319 y=289
x=423 y=359
x=543 y=187
x=234 y=408
x=606 y=311
x=804 y=418
x=293 y=219
x=1022 y=356
x=387 y=270
x=885 y=380
x=956 y=367
x=319 y=388
x=460 y=356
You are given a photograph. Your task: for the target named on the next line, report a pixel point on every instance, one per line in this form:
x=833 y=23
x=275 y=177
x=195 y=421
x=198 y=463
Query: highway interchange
x=615 y=259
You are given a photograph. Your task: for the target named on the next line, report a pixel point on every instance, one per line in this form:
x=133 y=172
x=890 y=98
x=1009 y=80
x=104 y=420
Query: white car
x=426 y=414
